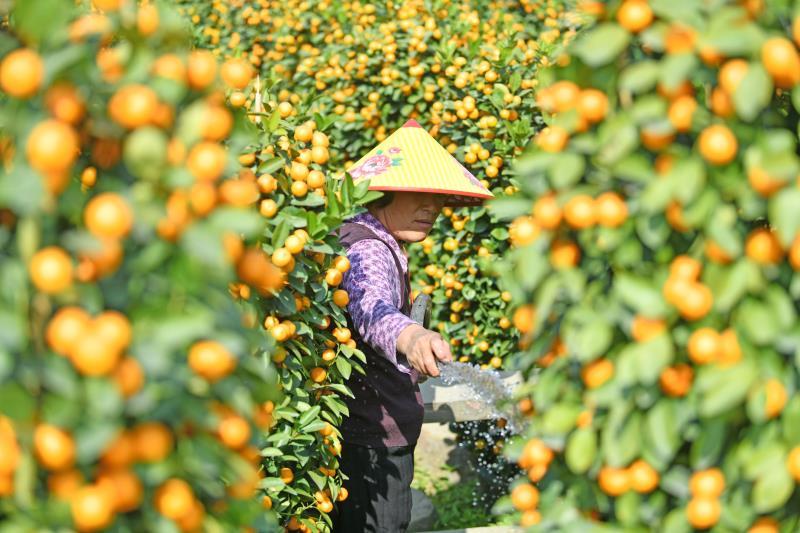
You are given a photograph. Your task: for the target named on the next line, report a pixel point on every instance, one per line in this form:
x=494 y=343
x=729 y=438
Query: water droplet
x=487 y=387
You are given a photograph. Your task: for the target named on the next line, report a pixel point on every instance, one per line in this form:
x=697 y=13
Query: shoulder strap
x=352 y=232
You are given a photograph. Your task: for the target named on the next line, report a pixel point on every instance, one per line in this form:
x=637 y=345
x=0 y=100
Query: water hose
x=421 y=310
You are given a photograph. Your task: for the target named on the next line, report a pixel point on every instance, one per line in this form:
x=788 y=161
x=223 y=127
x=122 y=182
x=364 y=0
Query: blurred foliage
x=656 y=285
x=144 y=230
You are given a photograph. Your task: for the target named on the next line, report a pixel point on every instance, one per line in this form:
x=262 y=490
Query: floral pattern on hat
x=467 y=174
x=377 y=164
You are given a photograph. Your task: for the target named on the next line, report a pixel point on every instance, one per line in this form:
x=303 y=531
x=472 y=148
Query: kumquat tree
x=467 y=72
x=174 y=345
x=656 y=286
x=151 y=233
x=132 y=386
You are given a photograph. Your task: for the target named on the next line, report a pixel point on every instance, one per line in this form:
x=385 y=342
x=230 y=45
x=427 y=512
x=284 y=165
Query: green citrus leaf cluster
x=657 y=285
x=152 y=233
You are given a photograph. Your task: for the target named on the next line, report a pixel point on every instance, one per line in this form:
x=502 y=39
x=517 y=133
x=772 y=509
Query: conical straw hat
x=411 y=160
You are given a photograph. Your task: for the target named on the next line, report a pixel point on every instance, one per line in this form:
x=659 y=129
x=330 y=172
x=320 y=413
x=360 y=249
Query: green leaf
x=566 y=169
x=730 y=36
x=509 y=207
x=688 y=177
x=6 y=364
x=621 y=439
x=639 y=77
x=721 y=389
x=17 y=403
x=581 y=450
x=271 y=165
x=641 y=295
x=778 y=141
x=368 y=196
x=7 y=43
x=103 y=399
x=271 y=452
x=531 y=267
x=634 y=167
x=756 y=404
x=315 y=426
x=686 y=11
x=761 y=457
x=753 y=93
x=204 y=244
x=318 y=478
x=676 y=68
x=532 y=163
x=602 y=44
x=626 y=508
x=342 y=388
x=499 y=234
x=722 y=229
x=772 y=490
x=242 y=221
x=796 y=97
x=271 y=484
x=652 y=357
x=731 y=285
x=642 y=362
x=497 y=98
x=676 y=522
x=784 y=216
x=294 y=216
x=657 y=195
x=618 y=137
x=587 y=337
x=12 y=331
x=707 y=448
x=280 y=233
x=347 y=192
x=21 y=189
x=758 y=322
x=308 y=416
x=702 y=208
x=559 y=419
x=145 y=153
x=273 y=121
x=781 y=305
x=344 y=367
x=790 y=422
x=661 y=431
x=94 y=439
x=39 y=20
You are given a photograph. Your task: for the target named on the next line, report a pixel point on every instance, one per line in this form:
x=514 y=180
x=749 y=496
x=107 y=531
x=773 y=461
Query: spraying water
x=487 y=387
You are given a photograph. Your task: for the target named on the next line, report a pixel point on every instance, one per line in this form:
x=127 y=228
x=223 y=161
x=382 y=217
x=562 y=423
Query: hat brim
x=454 y=198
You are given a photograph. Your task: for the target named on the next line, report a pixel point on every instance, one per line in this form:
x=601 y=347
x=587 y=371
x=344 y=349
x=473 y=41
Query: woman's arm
x=375 y=304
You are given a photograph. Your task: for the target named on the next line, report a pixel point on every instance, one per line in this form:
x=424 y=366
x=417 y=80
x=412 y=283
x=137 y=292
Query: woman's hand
x=422 y=348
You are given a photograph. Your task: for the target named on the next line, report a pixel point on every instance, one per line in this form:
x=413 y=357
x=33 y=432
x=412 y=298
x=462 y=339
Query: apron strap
x=351 y=233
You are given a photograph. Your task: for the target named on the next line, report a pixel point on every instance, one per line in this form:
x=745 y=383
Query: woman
x=385 y=417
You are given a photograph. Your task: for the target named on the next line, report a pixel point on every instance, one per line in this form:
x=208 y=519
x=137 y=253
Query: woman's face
x=410 y=215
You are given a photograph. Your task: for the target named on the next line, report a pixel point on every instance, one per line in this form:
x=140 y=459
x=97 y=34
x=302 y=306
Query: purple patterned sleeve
x=373 y=284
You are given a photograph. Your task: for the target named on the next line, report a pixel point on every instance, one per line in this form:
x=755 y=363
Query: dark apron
x=387 y=410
